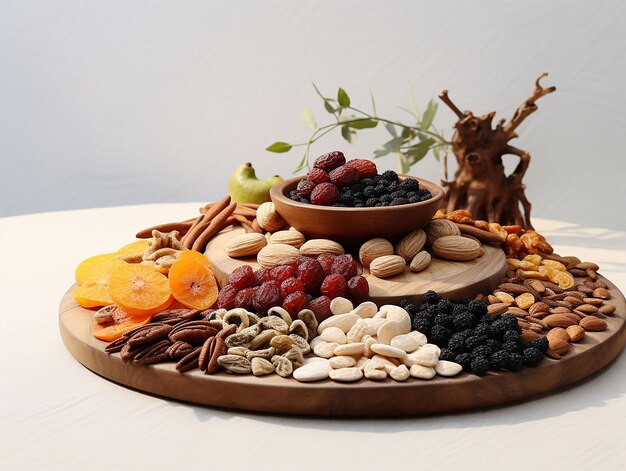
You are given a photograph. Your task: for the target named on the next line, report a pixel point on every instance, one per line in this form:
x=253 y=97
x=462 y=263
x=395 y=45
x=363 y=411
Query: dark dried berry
x=390 y=176
x=344 y=265
x=334 y=286
x=515 y=362
x=330 y=161
x=499 y=360
x=344 y=176
x=326 y=260
x=430 y=297
x=244 y=298
x=242 y=277
x=291 y=285
x=540 y=344
x=261 y=275
x=480 y=365
x=311 y=273
x=320 y=307
x=295 y=302
x=358 y=289
x=324 y=194
x=532 y=356
x=226 y=297
x=317 y=175
x=305 y=187
x=366 y=168
x=267 y=296
x=282 y=273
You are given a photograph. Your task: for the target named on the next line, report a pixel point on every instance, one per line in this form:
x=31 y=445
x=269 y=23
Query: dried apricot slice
x=139 y=289
x=135 y=248
x=92 y=295
x=98 y=268
x=192 y=281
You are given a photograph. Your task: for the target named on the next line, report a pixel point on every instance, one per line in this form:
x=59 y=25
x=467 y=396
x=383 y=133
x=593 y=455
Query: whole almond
x=268 y=218
x=573 y=300
x=587 y=308
x=601 y=293
x=592 y=324
x=291 y=237
x=374 y=248
x=593 y=301
x=409 y=246
x=315 y=247
x=387 y=265
x=537 y=286
x=558 y=333
x=528 y=334
x=587 y=266
x=273 y=255
x=607 y=309
x=576 y=333
x=420 y=261
x=559 y=346
x=497 y=308
x=537 y=308
x=516 y=311
x=245 y=245
x=440 y=228
x=456 y=248
x=559 y=320
x=513 y=288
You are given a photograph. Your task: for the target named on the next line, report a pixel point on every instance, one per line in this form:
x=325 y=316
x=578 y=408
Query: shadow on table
x=595 y=391
x=565 y=233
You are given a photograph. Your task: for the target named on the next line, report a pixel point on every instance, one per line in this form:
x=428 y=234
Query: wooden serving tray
x=365 y=398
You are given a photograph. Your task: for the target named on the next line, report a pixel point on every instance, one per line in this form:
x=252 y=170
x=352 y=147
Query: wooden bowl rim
x=277 y=192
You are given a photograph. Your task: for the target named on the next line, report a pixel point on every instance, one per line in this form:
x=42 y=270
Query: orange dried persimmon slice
x=192 y=281
x=139 y=289
x=92 y=295
x=97 y=269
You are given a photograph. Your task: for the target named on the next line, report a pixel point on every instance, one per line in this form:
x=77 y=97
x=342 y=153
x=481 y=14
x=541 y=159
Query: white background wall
x=122 y=102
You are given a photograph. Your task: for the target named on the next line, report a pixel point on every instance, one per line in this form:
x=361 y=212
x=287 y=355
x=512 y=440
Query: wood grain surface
x=448 y=278
x=273 y=394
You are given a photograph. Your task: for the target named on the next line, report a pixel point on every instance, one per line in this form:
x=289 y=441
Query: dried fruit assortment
x=355 y=184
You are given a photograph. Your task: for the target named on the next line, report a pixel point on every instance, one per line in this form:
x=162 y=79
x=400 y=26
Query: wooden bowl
x=355 y=224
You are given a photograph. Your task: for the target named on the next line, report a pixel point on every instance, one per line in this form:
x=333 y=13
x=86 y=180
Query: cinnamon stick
x=245 y=223
x=206 y=220
x=245 y=211
x=218 y=223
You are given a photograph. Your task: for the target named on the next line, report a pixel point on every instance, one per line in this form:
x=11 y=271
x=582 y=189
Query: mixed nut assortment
x=305 y=312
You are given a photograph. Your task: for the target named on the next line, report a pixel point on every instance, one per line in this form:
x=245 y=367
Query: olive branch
x=410 y=142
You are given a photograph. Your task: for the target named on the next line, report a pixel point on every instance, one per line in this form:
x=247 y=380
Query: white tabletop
x=56 y=414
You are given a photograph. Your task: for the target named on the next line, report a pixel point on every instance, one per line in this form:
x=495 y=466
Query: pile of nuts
x=547 y=299
x=365 y=341
x=237 y=341
x=442 y=236
x=163 y=250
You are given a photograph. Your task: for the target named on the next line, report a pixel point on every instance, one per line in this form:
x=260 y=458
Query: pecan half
x=179 y=349
x=193 y=332
x=189 y=361
x=155 y=354
x=156 y=332
x=116 y=345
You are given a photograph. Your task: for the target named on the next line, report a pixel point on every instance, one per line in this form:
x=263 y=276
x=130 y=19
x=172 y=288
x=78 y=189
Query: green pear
x=245 y=187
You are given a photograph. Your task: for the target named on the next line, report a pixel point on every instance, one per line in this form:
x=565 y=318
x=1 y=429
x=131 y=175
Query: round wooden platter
x=448 y=278
x=273 y=394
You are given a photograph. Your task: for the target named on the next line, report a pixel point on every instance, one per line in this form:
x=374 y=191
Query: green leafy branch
x=410 y=142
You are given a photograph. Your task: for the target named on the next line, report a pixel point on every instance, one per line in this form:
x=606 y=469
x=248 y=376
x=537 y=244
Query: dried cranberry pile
x=355 y=184
x=304 y=283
